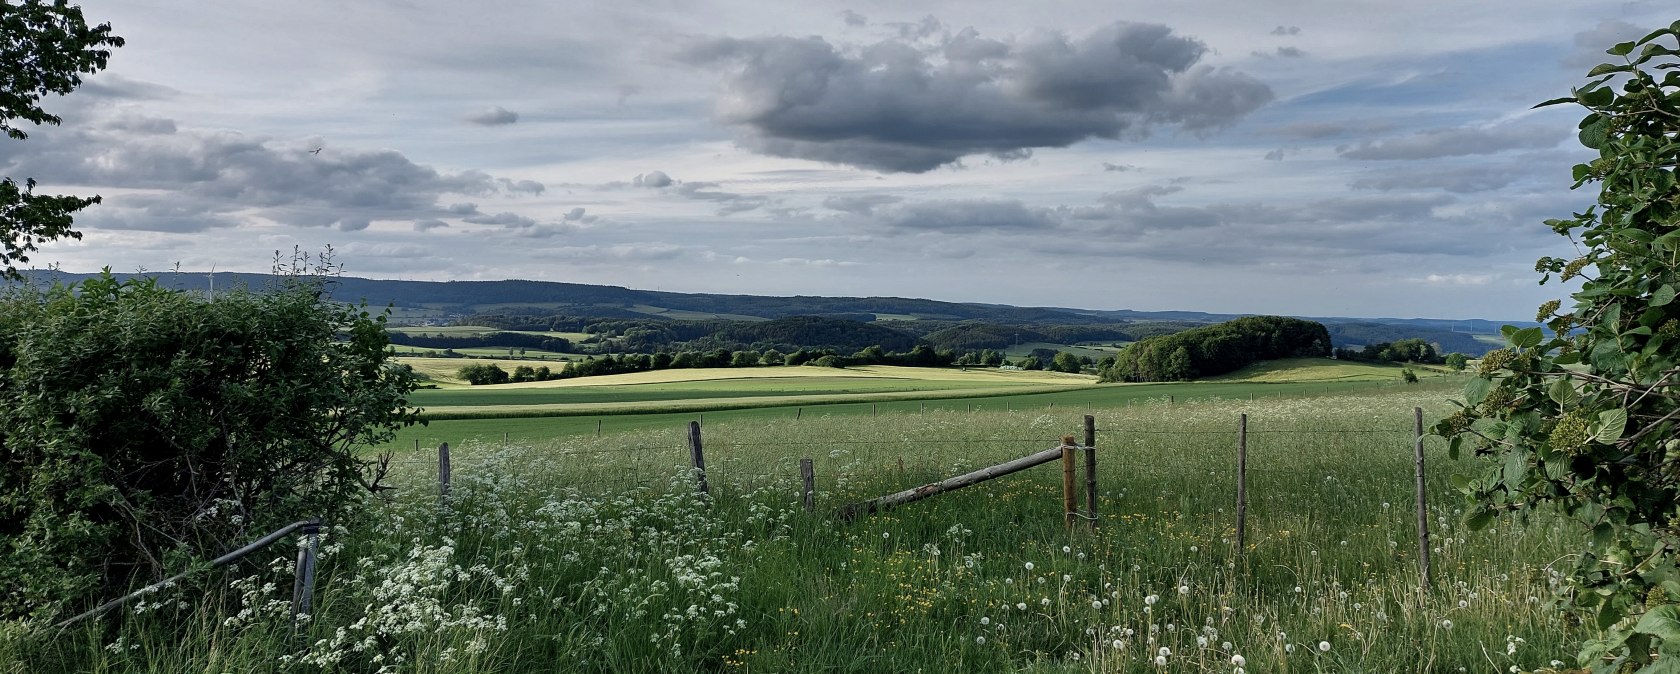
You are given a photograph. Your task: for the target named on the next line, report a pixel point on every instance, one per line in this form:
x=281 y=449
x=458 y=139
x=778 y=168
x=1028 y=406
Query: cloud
x=1287 y=30
x=903 y=106
x=1454 y=142
x=1322 y=130
x=967 y=216
x=853 y=19
x=429 y=224
x=1460 y=180
x=1119 y=168
x=578 y=214
x=1590 y=44
x=496 y=116
x=1458 y=279
x=861 y=204
x=531 y=187
x=171 y=179
x=1290 y=52
x=652 y=179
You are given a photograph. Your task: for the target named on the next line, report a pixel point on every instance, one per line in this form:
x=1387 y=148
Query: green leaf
x=1563 y=393
x=1527 y=338
x=1476 y=390
x=1595 y=98
x=1606 y=68
x=1611 y=425
x=1663 y=295
x=1662 y=622
x=1507 y=330
x=1460 y=481
x=1621 y=49
x=1479 y=519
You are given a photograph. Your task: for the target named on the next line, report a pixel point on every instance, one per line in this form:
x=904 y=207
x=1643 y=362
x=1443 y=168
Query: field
x=578 y=553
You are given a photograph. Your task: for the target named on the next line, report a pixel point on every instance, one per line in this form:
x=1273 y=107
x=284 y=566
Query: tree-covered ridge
x=1217 y=349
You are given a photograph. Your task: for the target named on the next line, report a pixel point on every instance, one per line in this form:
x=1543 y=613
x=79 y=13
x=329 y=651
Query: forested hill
x=453 y=301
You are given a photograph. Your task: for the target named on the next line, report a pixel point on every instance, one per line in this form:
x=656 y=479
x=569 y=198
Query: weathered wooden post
x=443 y=472
x=1070 y=501
x=303 y=582
x=1242 y=482
x=597 y=428
x=1422 y=503
x=698 y=457
x=1091 y=470
x=808 y=478
x=797 y=413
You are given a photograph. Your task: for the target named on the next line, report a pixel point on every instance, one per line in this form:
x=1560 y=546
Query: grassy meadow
x=570 y=552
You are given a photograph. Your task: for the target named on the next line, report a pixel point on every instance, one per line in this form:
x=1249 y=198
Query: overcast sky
x=1310 y=157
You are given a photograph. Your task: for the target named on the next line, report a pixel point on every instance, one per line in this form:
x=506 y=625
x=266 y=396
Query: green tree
x=142 y=428
x=1585 y=419
x=1067 y=362
x=1408 y=376
x=1457 y=361
x=45 y=48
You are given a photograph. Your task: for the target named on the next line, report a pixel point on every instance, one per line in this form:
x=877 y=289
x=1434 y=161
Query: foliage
x=482 y=373
x=45 y=48
x=1457 y=361
x=1217 y=349
x=1585 y=419
x=141 y=428
x=1411 y=350
x=1408 y=376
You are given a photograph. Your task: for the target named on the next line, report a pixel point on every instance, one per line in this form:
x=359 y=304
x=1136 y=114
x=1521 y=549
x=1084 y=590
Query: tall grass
x=596 y=555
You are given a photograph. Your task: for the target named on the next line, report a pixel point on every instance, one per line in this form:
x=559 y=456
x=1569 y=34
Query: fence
x=803 y=468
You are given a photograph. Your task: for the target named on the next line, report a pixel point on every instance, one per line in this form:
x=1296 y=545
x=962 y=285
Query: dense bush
x=141 y=428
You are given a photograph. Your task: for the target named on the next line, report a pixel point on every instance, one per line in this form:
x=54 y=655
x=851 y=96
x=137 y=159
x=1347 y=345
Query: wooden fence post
x=443 y=472
x=1091 y=469
x=698 y=457
x=798 y=413
x=1242 y=482
x=808 y=476
x=1422 y=503
x=1070 y=500
x=303 y=582
x=597 y=428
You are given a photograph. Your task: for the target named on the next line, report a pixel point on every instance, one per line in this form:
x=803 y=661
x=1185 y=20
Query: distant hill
x=944 y=324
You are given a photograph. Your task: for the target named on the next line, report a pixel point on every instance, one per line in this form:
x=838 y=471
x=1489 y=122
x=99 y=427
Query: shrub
x=141 y=427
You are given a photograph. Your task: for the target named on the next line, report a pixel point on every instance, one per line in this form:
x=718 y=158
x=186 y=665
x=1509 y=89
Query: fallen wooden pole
x=856 y=510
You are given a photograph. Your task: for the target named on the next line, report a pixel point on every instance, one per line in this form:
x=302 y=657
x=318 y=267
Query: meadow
x=574 y=552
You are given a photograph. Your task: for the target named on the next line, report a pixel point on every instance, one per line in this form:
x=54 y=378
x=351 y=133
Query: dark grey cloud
x=1119 y=168
x=496 y=116
x=1454 y=142
x=853 y=19
x=429 y=224
x=1290 y=52
x=579 y=215
x=1287 y=30
x=901 y=105
x=110 y=86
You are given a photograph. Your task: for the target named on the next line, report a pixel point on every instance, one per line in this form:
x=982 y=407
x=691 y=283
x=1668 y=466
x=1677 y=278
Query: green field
x=1096 y=351
x=568 y=552
x=1291 y=370
x=476 y=330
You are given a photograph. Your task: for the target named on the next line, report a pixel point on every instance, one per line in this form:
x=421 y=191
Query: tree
x=1065 y=361
x=1585 y=419
x=142 y=429
x=1457 y=361
x=1408 y=376
x=45 y=48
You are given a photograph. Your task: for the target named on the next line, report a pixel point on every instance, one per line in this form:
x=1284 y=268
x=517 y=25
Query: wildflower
x=1044 y=602
x=1225 y=645
x=1238 y=660
x=980 y=640
x=1195 y=548
x=1151 y=599
x=1183 y=590
x=1160 y=661
x=1021 y=606
x=1097 y=604
x=985 y=620
x=1164 y=651
x=1201 y=642
x=1029 y=566
x=1324 y=647
x=885 y=535
x=1289 y=648
x=1067 y=549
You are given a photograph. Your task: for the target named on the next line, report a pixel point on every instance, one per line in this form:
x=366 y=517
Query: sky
x=1305 y=157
